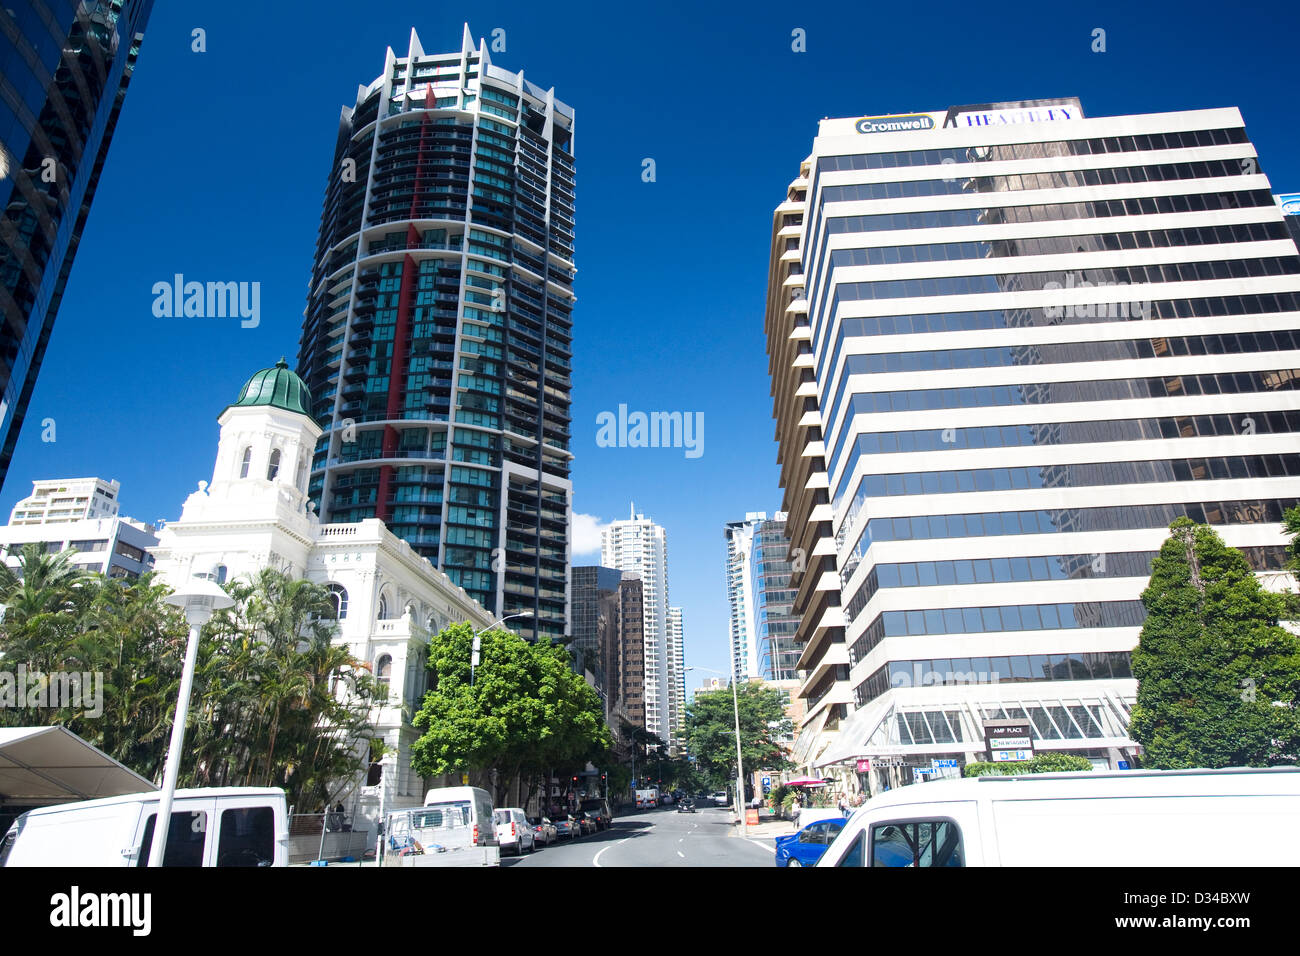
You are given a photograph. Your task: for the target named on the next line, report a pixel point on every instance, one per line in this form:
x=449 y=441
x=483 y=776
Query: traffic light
x=575 y=781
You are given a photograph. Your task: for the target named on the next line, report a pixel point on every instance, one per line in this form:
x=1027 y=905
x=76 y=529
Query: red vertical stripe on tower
x=401 y=357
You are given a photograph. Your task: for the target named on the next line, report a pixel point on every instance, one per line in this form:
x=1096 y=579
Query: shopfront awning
x=40 y=766
x=1091 y=715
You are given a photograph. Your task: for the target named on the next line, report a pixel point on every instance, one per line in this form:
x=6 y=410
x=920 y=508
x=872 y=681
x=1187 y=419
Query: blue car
x=806 y=847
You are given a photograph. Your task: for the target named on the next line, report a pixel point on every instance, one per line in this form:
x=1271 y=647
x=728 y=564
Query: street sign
x=1009 y=740
x=923 y=770
x=767 y=781
x=937 y=762
x=1123 y=765
x=1008 y=756
x=864 y=766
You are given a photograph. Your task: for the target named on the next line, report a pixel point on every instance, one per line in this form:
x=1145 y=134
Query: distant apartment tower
x=1008 y=346
x=437 y=339
x=759 y=594
x=630 y=697
x=638 y=544
x=676 y=653
x=67 y=499
x=594 y=628
x=67 y=65
x=739 y=538
x=80 y=515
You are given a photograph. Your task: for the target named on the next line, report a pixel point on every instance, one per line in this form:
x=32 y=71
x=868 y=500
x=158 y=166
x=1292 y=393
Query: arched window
x=245 y=462
x=273 y=468
x=339 y=598
x=384 y=668
x=383 y=607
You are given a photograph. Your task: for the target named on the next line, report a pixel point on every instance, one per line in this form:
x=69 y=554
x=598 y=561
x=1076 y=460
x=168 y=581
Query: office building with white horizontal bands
x=1008 y=345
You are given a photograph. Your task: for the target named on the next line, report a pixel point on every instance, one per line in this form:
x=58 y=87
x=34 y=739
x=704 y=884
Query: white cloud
x=586 y=534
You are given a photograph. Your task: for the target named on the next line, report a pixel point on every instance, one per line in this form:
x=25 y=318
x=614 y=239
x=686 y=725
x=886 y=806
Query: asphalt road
x=660 y=838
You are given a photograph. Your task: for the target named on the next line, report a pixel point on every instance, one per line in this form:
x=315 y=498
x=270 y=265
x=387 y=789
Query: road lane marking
x=595 y=860
x=763 y=845
x=681 y=854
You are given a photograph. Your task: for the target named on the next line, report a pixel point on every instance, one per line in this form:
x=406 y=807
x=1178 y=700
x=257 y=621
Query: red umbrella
x=805 y=782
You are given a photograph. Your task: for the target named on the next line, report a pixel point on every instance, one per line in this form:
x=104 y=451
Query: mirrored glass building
x=64 y=70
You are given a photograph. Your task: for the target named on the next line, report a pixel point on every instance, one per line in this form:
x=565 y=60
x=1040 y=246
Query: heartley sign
x=1014 y=113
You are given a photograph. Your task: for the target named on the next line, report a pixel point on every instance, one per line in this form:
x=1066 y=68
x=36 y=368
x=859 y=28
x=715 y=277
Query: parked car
x=600 y=807
x=721 y=798
x=565 y=829
x=216 y=826
x=805 y=847
x=544 y=831
x=584 y=823
x=513 y=830
x=1097 y=818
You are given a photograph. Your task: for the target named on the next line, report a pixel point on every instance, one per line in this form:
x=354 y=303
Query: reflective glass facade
x=64 y=69
x=438 y=333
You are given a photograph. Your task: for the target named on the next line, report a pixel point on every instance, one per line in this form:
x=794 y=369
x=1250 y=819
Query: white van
x=1119 y=818
x=453 y=828
x=218 y=826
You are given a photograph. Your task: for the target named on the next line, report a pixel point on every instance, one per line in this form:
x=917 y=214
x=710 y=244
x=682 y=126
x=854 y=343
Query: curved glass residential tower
x=64 y=69
x=437 y=336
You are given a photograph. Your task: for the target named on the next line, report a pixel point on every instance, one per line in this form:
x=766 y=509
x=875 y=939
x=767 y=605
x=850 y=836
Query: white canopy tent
x=40 y=766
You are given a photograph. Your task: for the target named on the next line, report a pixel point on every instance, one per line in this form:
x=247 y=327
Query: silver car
x=544 y=831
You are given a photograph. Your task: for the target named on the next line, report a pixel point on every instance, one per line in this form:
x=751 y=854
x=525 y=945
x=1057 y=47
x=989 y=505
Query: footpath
x=765 y=832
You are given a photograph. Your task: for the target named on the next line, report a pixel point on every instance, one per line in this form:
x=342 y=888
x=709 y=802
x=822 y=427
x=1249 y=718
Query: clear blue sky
x=219 y=164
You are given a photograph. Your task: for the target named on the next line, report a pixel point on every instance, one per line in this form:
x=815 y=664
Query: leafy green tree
x=525 y=712
x=710 y=730
x=1291 y=525
x=278 y=703
x=1218 y=679
x=264 y=708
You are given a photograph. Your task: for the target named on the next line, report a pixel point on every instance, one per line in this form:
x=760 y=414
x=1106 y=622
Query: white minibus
x=217 y=826
x=1109 y=818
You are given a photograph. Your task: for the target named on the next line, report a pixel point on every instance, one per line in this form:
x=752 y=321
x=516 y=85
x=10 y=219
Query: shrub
x=1041 y=763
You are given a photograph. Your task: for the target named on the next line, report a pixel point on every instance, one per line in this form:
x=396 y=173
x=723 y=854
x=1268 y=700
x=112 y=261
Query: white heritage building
x=255 y=514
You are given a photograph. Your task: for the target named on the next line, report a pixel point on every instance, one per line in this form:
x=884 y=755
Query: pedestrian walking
x=795 y=808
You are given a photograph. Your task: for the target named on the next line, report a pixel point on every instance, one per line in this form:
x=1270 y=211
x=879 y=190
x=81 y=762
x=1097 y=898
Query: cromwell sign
x=895 y=124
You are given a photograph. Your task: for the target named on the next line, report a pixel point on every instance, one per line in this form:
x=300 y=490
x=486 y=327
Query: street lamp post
x=199 y=599
x=740 y=773
x=477 y=646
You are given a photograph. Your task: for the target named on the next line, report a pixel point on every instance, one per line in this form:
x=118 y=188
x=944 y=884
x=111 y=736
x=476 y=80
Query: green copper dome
x=279 y=387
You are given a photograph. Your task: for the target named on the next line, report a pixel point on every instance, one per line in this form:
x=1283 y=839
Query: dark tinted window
x=247 y=837
x=185 y=839
x=932 y=843
x=854 y=855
